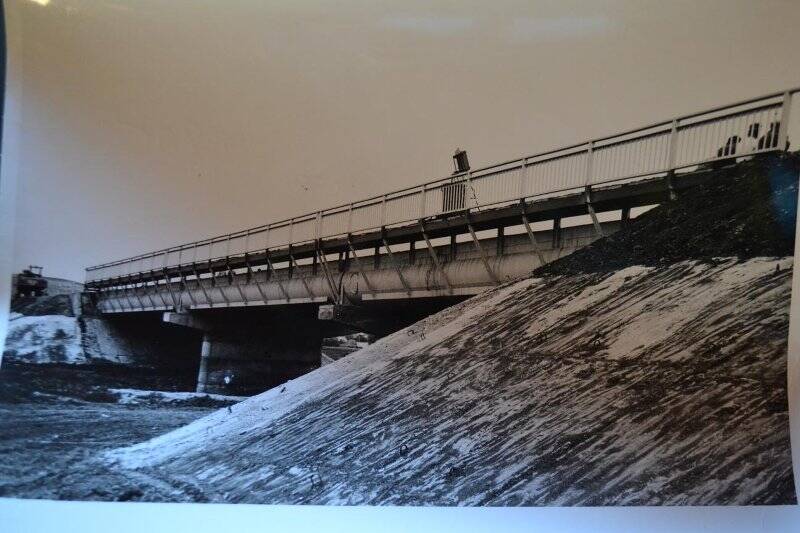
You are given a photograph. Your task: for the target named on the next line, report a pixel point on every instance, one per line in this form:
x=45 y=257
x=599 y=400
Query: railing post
x=468 y=188
x=589 y=158
x=673 y=146
x=523 y=174
x=783 y=131
x=422 y=201
x=350 y=219
x=383 y=211
x=318 y=226
x=291 y=231
x=671 y=159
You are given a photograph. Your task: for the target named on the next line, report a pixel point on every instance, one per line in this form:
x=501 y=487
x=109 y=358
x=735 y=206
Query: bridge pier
x=625 y=218
x=556 y=239
x=205 y=355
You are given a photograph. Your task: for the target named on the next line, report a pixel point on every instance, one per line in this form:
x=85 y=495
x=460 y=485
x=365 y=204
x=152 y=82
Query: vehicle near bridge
x=30 y=282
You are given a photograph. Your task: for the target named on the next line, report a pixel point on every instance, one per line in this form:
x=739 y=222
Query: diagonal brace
x=480 y=251
x=397 y=266
x=435 y=258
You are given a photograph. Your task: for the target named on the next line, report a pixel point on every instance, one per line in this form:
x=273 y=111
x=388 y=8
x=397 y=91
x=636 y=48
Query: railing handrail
x=379 y=198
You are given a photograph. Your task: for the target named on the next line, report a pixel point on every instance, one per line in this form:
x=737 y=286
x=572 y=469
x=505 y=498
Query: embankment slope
x=648 y=369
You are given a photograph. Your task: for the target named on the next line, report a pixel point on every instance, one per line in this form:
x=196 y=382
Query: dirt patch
x=55 y=419
x=59 y=304
x=49 y=450
x=48 y=383
x=748 y=210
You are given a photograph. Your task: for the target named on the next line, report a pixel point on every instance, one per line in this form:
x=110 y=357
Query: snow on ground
x=61 y=339
x=260 y=410
x=135 y=396
x=44 y=339
x=650 y=385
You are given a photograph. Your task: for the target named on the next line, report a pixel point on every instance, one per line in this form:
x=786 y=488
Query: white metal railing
x=652 y=150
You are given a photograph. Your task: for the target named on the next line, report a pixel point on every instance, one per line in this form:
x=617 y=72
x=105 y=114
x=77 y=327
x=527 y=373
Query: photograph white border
x=27 y=516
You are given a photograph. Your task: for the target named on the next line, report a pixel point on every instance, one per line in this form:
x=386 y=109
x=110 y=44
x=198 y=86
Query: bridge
x=379 y=263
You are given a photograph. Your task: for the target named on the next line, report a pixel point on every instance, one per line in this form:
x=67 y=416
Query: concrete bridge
x=379 y=264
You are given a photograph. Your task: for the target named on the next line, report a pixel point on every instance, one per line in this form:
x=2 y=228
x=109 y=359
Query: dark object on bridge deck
x=460 y=161
x=755 y=139
x=730 y=146
x=30 y=282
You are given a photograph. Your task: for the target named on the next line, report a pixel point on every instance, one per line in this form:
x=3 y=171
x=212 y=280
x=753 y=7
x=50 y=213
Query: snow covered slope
x=45 y=329
x=43 y=339
x=647 y=368
x=649 y=385
x=50 y=329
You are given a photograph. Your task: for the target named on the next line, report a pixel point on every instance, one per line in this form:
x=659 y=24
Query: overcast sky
x=150 y=123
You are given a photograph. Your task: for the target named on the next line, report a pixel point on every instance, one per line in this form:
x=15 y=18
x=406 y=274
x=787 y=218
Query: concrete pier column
x=556 y=233
x=205 y=355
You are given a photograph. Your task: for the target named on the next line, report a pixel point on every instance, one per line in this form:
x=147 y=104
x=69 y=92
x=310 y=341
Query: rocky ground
x=42 y=442
x=54 y=418
x=55 y=415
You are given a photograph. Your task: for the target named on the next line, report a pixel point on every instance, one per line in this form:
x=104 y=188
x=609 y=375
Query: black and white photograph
x=446 y=254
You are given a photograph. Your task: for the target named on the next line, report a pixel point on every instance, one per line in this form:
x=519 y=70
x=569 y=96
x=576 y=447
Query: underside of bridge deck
x=246 y=351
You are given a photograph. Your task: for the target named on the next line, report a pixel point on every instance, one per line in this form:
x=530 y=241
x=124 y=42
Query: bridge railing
x=744 y=128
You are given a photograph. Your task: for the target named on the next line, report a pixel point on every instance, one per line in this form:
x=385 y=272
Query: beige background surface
x=148 y=123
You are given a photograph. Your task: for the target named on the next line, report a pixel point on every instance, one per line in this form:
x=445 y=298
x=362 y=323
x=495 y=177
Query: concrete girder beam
x=186 y=320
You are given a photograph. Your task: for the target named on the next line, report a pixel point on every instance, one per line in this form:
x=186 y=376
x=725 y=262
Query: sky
x=146 y=124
